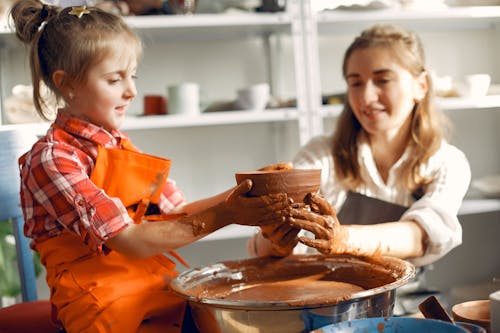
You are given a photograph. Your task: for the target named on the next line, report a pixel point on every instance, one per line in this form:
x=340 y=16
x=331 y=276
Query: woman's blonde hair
x=60 y=40
x=427 y=126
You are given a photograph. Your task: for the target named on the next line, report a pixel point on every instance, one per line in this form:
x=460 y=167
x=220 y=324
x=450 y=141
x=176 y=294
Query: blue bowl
x=392 y=325
x=471 y=328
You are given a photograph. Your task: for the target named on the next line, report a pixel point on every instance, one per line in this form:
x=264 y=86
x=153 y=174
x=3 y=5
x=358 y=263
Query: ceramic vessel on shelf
x=183 y=7
x=254 y=97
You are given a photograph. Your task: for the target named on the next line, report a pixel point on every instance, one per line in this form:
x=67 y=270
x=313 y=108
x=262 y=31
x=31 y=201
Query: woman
x=387 y=169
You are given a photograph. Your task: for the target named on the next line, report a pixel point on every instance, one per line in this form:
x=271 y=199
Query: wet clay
x=304 y=280
x=294 y=182
x=299 y=290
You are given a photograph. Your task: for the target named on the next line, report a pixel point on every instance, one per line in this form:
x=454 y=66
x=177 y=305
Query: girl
x=86 y=189
x=387 y=169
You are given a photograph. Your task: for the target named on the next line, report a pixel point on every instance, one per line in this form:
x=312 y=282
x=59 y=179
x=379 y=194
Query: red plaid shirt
x=57 y=193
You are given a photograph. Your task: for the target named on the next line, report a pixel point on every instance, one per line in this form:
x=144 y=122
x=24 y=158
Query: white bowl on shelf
x=488 y=186
x=474 y=85
x=254 y=97
x=473 y=2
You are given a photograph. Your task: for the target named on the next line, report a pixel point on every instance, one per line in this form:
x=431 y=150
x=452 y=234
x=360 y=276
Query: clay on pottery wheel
x=295 y=280
x=293 y=294
x=295 y=182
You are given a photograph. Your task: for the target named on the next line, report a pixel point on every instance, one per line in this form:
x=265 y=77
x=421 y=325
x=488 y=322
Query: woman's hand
x=319 y=217
x=282 y=237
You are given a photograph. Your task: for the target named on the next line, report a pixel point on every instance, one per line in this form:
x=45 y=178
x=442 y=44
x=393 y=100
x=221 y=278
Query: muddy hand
x=283 y=237
x=256 y=211
x=242 y=188
x=319 y=204
x=319 y=218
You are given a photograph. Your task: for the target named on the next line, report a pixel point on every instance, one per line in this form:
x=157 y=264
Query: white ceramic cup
x=495 y=311
x=183 y=7
x=254 y=97
x=475 y=85
x=184 y=99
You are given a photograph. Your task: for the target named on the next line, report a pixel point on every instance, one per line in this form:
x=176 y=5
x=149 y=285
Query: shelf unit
x=452 y=18
x=210 y=26
x=302 y=28
x=339 y=23
x=212 y=118
x=132 y=123
x=491 y=102
x=213 y=27
x=351 y=22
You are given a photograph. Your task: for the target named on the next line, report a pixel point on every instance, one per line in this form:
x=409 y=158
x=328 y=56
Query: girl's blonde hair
x=60 y=40
x=427 y=126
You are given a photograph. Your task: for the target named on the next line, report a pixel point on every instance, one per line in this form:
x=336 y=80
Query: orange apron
x=114 y=293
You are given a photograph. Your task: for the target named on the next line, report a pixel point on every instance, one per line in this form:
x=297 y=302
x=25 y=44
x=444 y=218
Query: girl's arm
x=200 y=218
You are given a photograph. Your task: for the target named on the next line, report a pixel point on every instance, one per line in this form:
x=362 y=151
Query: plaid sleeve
x=171 y=197
x=58 y=179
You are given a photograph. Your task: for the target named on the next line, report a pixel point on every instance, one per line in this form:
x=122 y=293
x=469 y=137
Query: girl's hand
x=319 y=218
x=283 y=237
x=254 y=211
x=237 y=208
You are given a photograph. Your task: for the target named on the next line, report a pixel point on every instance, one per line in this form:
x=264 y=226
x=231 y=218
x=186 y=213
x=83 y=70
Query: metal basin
x=293 y=294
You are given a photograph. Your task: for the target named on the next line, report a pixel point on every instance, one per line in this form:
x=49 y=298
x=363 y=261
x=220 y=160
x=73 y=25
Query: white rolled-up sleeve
x=436 y=212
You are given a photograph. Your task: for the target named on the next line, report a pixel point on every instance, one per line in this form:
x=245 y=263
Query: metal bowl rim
x=406 y=274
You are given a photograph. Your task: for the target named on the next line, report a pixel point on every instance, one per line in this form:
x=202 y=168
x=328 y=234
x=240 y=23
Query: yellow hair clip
x=79 y=11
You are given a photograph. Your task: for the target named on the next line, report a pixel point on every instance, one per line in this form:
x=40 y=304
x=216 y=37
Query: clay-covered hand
x=237 y=208
x=277 y=166
x=255 y=211
x=319 y=217
x=283 y=237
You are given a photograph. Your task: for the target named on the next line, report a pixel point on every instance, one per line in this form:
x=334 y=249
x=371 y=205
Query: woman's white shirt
x=436 y=211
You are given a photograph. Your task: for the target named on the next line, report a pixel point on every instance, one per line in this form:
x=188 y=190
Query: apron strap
x=139 y=213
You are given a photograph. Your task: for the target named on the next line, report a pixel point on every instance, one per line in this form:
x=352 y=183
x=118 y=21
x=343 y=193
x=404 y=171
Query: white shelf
x=479 y=206
x=196 y=27
x=203 y=21
x=331 y=111
x=462 y=103
x=37 y=129
x=452 y=18
x=445 y=104
x=210 y=26
x=207 y=119
x=173 y=121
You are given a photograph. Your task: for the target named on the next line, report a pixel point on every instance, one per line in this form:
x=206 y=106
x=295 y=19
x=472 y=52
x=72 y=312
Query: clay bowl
x=474 y=312
x=295 y=182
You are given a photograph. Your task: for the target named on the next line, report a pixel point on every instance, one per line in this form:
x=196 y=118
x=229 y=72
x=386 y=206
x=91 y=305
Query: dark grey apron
x=363 y=210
